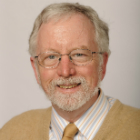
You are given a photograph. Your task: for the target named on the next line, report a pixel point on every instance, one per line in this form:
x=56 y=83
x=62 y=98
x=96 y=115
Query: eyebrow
x=54 y=50
x=83 y=47
x=50 y=49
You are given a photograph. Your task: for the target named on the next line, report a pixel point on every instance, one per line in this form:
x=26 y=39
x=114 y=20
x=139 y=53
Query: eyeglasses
x=78 y=57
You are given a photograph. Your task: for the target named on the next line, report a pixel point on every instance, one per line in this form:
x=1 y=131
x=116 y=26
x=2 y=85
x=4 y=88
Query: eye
x=78 y=55
x=51 y=57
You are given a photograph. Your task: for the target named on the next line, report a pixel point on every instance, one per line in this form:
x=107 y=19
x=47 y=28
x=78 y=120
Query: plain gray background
x=19 y=91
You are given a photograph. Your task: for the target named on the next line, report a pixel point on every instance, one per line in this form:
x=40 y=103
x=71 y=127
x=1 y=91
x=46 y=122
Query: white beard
x=70 y=101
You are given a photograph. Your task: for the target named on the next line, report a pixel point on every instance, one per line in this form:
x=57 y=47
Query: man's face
x=67 y=85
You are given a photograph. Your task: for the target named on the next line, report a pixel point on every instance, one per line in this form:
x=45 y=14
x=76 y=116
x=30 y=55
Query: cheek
x=90 y=72
x=46 y=76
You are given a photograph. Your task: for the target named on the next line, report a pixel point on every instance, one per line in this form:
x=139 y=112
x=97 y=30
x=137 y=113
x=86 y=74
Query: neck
x=73 y=116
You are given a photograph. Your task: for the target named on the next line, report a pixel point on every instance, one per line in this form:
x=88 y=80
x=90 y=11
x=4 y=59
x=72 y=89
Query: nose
x=66 y=68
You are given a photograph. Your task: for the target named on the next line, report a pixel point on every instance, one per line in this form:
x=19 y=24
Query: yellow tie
x=70 y=132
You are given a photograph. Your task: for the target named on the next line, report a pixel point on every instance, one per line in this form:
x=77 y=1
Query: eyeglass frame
x=69 y=58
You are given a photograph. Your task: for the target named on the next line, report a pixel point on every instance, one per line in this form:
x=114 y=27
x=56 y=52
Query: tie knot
x=70 y=131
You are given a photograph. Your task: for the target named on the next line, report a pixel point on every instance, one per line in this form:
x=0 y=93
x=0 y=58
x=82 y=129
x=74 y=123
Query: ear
x=32 y=60
x=104 y=65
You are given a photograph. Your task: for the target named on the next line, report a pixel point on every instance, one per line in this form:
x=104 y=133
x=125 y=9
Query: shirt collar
x=91 y=120
x=58 y=124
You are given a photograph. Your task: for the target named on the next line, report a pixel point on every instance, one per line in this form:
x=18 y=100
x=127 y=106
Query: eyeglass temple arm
x=35 y=56
x=98 y=52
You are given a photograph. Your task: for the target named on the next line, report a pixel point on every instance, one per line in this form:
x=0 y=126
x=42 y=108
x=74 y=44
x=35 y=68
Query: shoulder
x=29 y=117
x=126 y=112
x=126 y=120
x=121 y=122
x=130 y=116
x=26 y=123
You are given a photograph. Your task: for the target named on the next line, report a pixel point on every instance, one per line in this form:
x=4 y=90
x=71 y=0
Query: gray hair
x=58 y=10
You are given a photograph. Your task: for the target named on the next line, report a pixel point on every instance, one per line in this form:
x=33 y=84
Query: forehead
x=69 y=33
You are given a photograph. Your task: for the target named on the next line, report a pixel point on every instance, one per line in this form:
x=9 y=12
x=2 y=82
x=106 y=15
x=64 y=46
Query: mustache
x=67 y=81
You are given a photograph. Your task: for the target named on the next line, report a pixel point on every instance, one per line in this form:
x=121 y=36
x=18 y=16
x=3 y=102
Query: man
x=69 y=48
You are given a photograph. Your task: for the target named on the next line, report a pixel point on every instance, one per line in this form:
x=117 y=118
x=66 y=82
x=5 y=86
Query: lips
x=68 y=86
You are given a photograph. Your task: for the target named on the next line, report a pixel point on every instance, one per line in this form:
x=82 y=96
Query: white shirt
x=88 y=124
